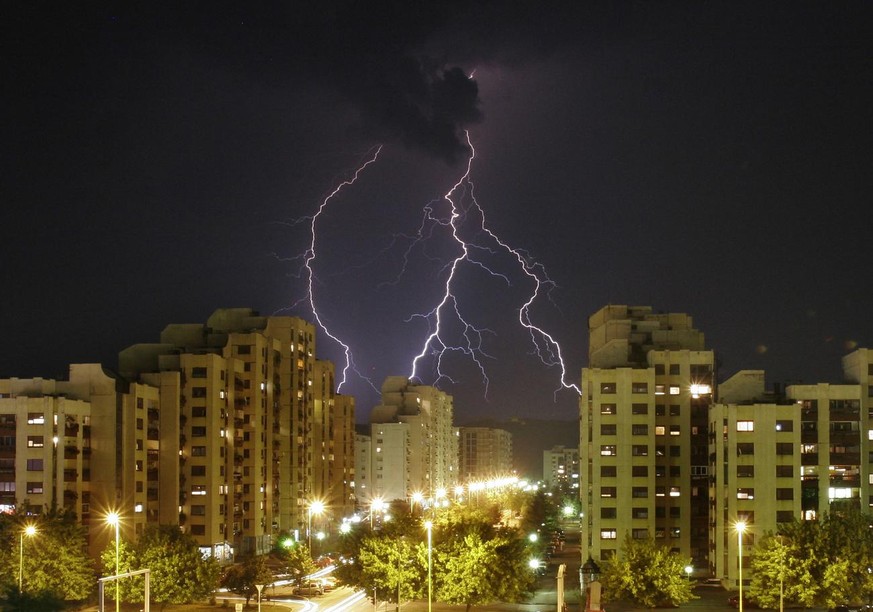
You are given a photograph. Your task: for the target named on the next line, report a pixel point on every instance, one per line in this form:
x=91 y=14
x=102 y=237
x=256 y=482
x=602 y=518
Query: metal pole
x=429 y=526
x=740 y=545
x=117 y=571
x=20 y=560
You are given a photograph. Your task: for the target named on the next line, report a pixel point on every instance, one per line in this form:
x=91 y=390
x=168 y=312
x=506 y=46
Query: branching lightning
x=436 y=344
x=309 y=256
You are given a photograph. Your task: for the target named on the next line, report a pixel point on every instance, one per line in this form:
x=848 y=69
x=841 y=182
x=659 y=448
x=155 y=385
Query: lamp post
x=113 y=519
x=376 y=505
x=417 y=498
x=688 y=570
x=259 y=587
x=429 y=526
x=315 y=507
x=27 y=531
x=740 y=527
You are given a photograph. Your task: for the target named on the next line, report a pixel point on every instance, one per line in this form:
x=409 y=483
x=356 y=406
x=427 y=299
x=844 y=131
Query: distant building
x=484 y=453
x=561 y=468
x=413 y=446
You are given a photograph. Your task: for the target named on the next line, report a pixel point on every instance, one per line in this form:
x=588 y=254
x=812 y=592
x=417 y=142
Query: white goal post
x=102 y=583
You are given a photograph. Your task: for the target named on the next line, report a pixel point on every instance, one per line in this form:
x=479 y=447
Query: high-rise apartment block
x=561 y=468
x=413 y=445
x=485 y=453
x=643 y=444
x=777 y=457
x=229 y=429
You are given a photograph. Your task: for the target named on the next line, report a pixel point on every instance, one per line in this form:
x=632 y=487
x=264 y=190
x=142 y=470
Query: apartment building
x=561 y=467
x=786 y=456
x=643 y=445
x=414 y=447
x=229 y=429
x=485 y=453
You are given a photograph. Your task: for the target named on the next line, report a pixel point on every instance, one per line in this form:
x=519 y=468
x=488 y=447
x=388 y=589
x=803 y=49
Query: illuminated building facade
x=228 y=429
x=485 y=453
x=643 y=443
x=414 y=445
x=787 y=456
x=561 y=467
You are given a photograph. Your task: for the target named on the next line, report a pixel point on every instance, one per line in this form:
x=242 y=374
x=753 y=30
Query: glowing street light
x=114 y=519
x=740 y=527
x=688 y=570
x=417 y=498
x=315 y=507
x=28 y=531
x=376 y=505
x=429 y=526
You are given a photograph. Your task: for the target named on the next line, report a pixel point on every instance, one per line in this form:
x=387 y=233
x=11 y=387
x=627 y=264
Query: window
x=640 y=450
x=745 y=471
x=675 y=512
x=34 y=465
x=660 y=430
x=675 y=430
x=660 y=450
x=198 y=451
x=198 y=489
x=674 y=390
x=640 y=492
x=675 y=471
x=639 y=429
x=607 y=471
x=607 y=408
x=784 y=425
x=608 y=513
x=244 y=349
x=607 y=449
x=34 y=488
x=639 y=409
x=639 y=387
x=198 y=530
x=608 y=491
x=784 y=471
x=745 y=493
x=198 y=510
x=640 y=470
x=675 y=410
x=198 y=391
x=660 y=409
x=745 y=448
x=35 y=442
x=675 y=532
x=675 y=491
x=784 y=516
x=660 y=491
x=640 y=534
x=139 y=423
x=607 y=429
x=198 y=411
x=745 y=425
x=35 y=418
x=640 y=513
x=675 y=451
x=607 y=387
x=198 y=432
x=784 y=448
x=784 y=493
x=608 y=534
x=674 y=369
x=198 y=470
x=660 y=389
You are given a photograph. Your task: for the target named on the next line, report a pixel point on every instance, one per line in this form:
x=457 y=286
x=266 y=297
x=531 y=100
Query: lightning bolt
x=471 y=252
x=310 y=255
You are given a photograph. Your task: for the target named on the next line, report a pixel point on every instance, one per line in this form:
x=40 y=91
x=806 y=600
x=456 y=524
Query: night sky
x=159 y=162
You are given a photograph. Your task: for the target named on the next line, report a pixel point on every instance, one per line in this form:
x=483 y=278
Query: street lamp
x=315 y=507
x=740 y=527
x=429 y=526
x=688 y=570
x=376 y=505
x=260 y=588
x=114 y=519
x=27 y=531
x=417 y=498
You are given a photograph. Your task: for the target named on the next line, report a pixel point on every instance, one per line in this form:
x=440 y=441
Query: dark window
x=607 y=471
x=198 y=530
x=639 y=409
x=198 y=372
x=784 y=471
x=675 y=451
x=675 y=471
x=640 y=513
x=639 y=387
x=784 y=493
x=34 y=465
x=198 y=411
x=745 y=448
x=198 y=432
x=607 y=429
x=640 y=450
x=640 y=534
x=198 y=470
x=640 y=470
x=198 y=391
x=746 y=471
x=675 y=410
x=674 y=369
x=640 y=492
x=640 y=429
x=784 y=516
x=784 y=425
x=607 y=513
x=198 y=451
x=784 y=448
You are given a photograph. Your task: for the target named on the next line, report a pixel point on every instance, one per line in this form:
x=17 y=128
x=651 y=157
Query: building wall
x=484 y=453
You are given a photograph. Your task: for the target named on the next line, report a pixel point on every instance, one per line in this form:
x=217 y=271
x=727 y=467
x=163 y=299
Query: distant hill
x=530 y=437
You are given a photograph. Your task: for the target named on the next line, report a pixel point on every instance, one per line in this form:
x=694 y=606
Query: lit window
x=674 y=390
x=675 y=491
x=660 y=430
x=35 y=418
x=607 y=449
x=660 y=389
x=137 y=508
x=745 y=425
x=745 y=493
x=608 y=534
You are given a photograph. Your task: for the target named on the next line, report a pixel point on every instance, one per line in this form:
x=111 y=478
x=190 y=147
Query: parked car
x=747 y=603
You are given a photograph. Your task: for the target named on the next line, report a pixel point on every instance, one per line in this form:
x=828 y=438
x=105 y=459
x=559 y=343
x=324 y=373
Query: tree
x=388 y=567
x=178 y=571
x=780 y=571
x=647 y=574
x=242 y=578
x=295 y=558
x=56 y=562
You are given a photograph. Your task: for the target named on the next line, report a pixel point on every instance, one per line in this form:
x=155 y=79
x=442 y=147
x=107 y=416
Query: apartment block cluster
x=666 y=451
x=228 y=429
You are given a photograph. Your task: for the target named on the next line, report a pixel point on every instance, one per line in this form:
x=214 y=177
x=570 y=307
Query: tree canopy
x=242 y=578
x=647 y=574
